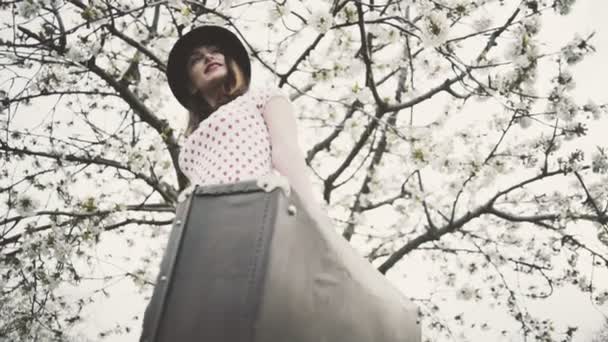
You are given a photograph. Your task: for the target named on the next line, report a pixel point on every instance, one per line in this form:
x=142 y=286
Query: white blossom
x=583 y=283
x=142 y=276
x=466 y=292
x=349 y=12
x=563 y=6
x=574 y=51
x=27 y=205
x=321 y=19
x=498 y=122
x=364 y=95
x=81 y=51
x=482 y=24
x=322 y=75
x=418 y=195
x=424 y=7
x=359 y=218
x=30 y=243
x=601 y=298
x=136 y=159
x=525 y=121
x=599 y=161
x=318 y=58
x=28 y=8
x=593 y=108
x=94 y=229
x=511 y=238
x=522 y=61
x=442 y=155
x=522 y=45
x=387 y=35
x=364 y=199
x=353 y=69
x=400 y=205
x=279 y=11
x=565 y=80
x=532 y=24
x=530 y=161
x=485 y=177
x=186 y=17
x=462 y=7
x=376 y=185
x=543 y=255
x=61 y=248
x=529 y=88
x=496 y=257
x=565 y=108
x=435 y=29
x=420 y=155
x=513 y=50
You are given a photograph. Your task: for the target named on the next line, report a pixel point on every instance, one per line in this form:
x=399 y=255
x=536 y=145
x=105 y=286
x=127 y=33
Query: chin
x=219 y=74
x=213 y=83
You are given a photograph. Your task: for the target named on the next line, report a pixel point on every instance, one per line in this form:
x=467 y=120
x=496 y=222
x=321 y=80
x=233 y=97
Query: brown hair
x=236 y=84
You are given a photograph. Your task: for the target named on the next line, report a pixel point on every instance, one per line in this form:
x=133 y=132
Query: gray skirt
x=241 y=265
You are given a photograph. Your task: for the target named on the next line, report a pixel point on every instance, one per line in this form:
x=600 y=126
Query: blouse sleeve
x=266 y=94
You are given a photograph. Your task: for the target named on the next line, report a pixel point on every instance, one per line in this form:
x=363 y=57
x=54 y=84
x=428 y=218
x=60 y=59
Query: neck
x=214 y=96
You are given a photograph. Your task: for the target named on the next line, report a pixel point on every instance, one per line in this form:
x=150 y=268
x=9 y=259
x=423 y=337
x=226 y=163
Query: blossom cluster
x=595 y=110
x=523 y=52
x=434 y=28
x=321 y=19
x=562 y=104
x=563 y=7
x=30 y=8
x=82 y=49
x=279 y=11
x=599 y=161
x=575 y=50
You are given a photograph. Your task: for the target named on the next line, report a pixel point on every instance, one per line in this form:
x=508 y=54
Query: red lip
x=210 y=65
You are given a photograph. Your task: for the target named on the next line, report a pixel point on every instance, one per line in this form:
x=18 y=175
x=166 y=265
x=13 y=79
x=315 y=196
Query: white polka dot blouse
x=232 y=144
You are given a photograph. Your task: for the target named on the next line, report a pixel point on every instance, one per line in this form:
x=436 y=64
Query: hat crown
x=219 y=36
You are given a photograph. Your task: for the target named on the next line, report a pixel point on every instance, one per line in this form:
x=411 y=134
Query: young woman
x=245 y=275
x=234 y=133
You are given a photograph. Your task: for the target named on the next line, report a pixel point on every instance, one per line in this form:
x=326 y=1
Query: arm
x=287 y=157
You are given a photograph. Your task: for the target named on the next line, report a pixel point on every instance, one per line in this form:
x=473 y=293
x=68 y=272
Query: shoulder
x=262 y=95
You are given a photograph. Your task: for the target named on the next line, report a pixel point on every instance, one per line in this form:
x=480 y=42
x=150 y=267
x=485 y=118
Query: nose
x=208 y=61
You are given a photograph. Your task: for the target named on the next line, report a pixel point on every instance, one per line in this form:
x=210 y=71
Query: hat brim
x=209 y=34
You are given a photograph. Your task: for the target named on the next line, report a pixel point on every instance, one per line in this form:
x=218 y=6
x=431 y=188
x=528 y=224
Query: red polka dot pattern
x=231 y=145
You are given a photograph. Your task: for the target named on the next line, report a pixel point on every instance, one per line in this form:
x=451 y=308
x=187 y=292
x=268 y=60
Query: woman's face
x=206 y=68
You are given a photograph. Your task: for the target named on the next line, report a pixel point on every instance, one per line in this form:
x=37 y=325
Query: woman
x=247 y=267
x=234 y=133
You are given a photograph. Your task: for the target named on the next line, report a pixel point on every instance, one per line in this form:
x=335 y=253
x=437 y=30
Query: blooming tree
x=432 y=113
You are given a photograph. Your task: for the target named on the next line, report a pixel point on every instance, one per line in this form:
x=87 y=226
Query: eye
x=194 y=59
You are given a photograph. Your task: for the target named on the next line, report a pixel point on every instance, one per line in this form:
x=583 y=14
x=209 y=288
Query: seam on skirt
x=167 y=283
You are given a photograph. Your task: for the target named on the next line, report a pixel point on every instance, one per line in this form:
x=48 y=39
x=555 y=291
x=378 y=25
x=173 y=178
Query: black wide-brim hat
x=228 y=42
